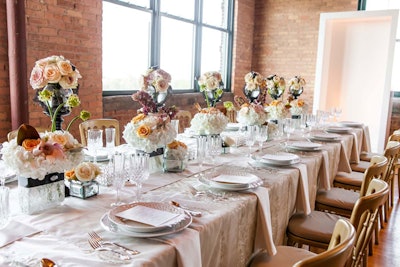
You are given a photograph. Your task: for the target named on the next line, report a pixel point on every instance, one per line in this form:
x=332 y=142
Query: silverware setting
x=193 y=213
x=94 y=236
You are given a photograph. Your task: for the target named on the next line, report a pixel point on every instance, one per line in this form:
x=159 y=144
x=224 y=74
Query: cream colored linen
x=355 y=152
x=303 y=198
x=366 y=141
x=344 y=163
x=324 y=176
x=15 y=231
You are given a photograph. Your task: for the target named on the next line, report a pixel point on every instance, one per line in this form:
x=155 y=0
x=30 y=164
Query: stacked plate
x=279 y=159
x=351 y=124
x=338 y=129
x=326 y=137
x=232 y=126
x=146 y=219
x=304 y=146
x=101 y=155
x=232 y=181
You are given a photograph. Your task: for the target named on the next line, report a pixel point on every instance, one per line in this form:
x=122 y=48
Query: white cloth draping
x=15 y=231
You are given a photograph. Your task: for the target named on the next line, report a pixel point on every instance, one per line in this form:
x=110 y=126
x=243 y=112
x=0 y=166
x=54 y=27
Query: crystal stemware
x=94 y=142
x=201 y=150
x=119 y=176
x=4 y=196
x=214 y=146
x=250 y=137
x=138 y=171
x=289 y=127
x=261 y=135
x=110 y=141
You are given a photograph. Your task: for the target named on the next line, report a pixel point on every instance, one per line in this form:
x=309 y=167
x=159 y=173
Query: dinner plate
x=338 y=129
x=351 y=124
x=305 y=146
x=280 y=158
x=138 y=227
x=232 y=127
x=232 y=180
x=102 y=155
x=326 y=137
x=108 y=225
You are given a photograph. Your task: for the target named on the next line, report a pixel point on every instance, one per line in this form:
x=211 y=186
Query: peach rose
x=30 y=144
x=37 y=80
x=212 y=83
x=138 y=118
x=70 y=175
x=161 y=85
x=143 y=131
x=52 y=73
x=300 y=103
x=59 y=138
x=65 y=67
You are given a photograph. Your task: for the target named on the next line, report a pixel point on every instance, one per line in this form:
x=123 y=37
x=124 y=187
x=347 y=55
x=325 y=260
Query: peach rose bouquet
x=33 y=155
x=83 y=172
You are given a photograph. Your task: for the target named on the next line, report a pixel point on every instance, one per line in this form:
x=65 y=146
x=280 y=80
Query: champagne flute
x=139 y=171
x=250 y=137
x=119 y=176
x=201 y=151
x=289 y=127
x=262 y=135
x=110 y=141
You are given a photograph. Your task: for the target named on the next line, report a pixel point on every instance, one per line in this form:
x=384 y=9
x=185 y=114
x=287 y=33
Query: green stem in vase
x=72 y=121
x=206 y=96
x=53 y=118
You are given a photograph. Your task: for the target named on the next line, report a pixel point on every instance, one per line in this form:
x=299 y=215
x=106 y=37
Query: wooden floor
x=387 y=253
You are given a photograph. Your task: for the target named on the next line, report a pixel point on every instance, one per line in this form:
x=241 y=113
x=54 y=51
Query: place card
x=146 y=215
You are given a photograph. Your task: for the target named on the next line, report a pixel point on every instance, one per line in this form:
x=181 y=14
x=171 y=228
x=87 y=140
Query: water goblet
x=94 y=142
x=119 y=176
x=262 y=135
x=138 y=171
x=250 y=137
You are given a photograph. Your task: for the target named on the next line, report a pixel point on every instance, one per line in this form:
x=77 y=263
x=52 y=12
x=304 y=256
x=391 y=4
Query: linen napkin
x=344 y=163
x=187 y=246
x=303 y=198
x=366 y=141
x=324 y=177
x=263 y=237
x=355 y=154
x=15 y=231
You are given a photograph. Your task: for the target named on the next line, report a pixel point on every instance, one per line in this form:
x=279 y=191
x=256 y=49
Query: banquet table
x=226 y=234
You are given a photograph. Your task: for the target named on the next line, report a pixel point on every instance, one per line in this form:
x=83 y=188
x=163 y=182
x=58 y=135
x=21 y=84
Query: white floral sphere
x=160 y=132
x=252 y=115
x=208 y=121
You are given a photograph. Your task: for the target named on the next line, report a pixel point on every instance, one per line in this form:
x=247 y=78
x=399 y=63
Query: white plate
x=351 y=124
x=306 y=146
x=102 y=155
x=112 y=227
x=237 y=176
x=232 y=127
x=137 y=227
x=338 y=129
x=326 y=137
x=280 y=158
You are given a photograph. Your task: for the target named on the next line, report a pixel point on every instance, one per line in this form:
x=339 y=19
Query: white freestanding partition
x=354 y=67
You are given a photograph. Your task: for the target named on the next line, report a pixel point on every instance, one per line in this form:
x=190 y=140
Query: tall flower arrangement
x=212 y=86
x=55 y=80
x=295 y=89
x=276 y=86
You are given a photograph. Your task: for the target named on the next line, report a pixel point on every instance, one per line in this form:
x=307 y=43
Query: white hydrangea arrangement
x=176 y=150
x=208 y=121
x=252 y=114
x=276 y=110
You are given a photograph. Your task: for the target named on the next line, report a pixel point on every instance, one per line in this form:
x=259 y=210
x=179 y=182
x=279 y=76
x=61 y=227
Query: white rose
x=86 y=171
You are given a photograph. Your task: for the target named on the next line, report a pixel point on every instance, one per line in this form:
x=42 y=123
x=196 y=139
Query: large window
x=183 y=37
x=384 y=5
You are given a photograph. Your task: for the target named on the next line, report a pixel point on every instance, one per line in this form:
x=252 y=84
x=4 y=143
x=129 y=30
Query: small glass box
x=83 y=189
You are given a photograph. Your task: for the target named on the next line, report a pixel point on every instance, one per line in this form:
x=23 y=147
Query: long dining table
x=231 y=226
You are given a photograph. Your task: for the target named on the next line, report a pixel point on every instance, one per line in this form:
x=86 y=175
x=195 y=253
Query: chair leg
x=392 y=192
x=386 y=206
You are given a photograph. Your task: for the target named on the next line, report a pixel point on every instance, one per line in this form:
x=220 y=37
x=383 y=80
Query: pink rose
x=52 y=73
x=65 y=67
x=161 y=85
x=37 y=80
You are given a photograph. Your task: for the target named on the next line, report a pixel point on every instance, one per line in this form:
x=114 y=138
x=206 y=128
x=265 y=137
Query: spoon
x=191 y=212
x=48 y=263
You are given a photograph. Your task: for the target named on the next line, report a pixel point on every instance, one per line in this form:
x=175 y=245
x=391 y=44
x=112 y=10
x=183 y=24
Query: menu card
x=146 y=215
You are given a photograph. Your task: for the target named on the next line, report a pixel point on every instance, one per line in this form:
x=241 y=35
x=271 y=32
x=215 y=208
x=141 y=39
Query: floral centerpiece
x=208 y=121
x=81 y=180
x=55 y=80
x=276 y=110
x=175 y=156
x=296 y=86
x=254 y=85
x=156 y=82
x=212 y=87
x=252 y=114
x=276 y=86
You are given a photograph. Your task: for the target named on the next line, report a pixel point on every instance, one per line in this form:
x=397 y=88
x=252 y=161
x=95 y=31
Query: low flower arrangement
x=212 y=87
x=83 y=172
x=296 y=106
x=276 y=110
x=208 y=121
x=252 y=114
x=176 y=150
x=33 y=156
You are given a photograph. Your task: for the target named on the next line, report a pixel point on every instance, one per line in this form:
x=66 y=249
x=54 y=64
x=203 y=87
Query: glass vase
x=173 y=165
x=36 y=195
x=83 y=189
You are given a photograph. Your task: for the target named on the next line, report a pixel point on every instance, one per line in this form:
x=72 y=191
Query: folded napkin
x=263 y=237
x=187 y=246
x=366 y=140
x=324 y=176
x=344 y=163
x=15 y=231
x=355 y=153
x=303 y=198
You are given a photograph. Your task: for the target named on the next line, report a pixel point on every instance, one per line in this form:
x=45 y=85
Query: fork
x=94 y=236
x=97 y=247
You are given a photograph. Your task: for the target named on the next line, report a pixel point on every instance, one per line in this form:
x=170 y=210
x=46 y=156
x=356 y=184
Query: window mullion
x=197 y=43
x=155 y=34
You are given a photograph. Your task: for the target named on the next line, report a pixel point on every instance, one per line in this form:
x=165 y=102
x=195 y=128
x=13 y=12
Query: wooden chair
x=184 y=118
x=339 y=250
x=99 y=124
x=316 y=228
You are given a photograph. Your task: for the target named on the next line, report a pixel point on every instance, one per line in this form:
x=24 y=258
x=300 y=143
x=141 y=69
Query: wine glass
x=119 y=176
x=262 y=135
x=138 y=171
x=94 y=142
x=289 y=127
x=201 y=150
x=311 y=121
x=250 y=137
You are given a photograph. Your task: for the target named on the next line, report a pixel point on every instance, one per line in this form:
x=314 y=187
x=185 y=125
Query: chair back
x=339 y=249
x=392 y=152
x=99 y=124
x=184 y=118
x=364 y=216
x=377 y=170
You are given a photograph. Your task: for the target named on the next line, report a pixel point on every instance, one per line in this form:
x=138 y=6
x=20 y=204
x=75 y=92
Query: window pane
x=126 y=54
x=181 y=8
x=215 y=12
x=143 y=3
x=213 y=51
x=396 y=68
x=176 y=55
